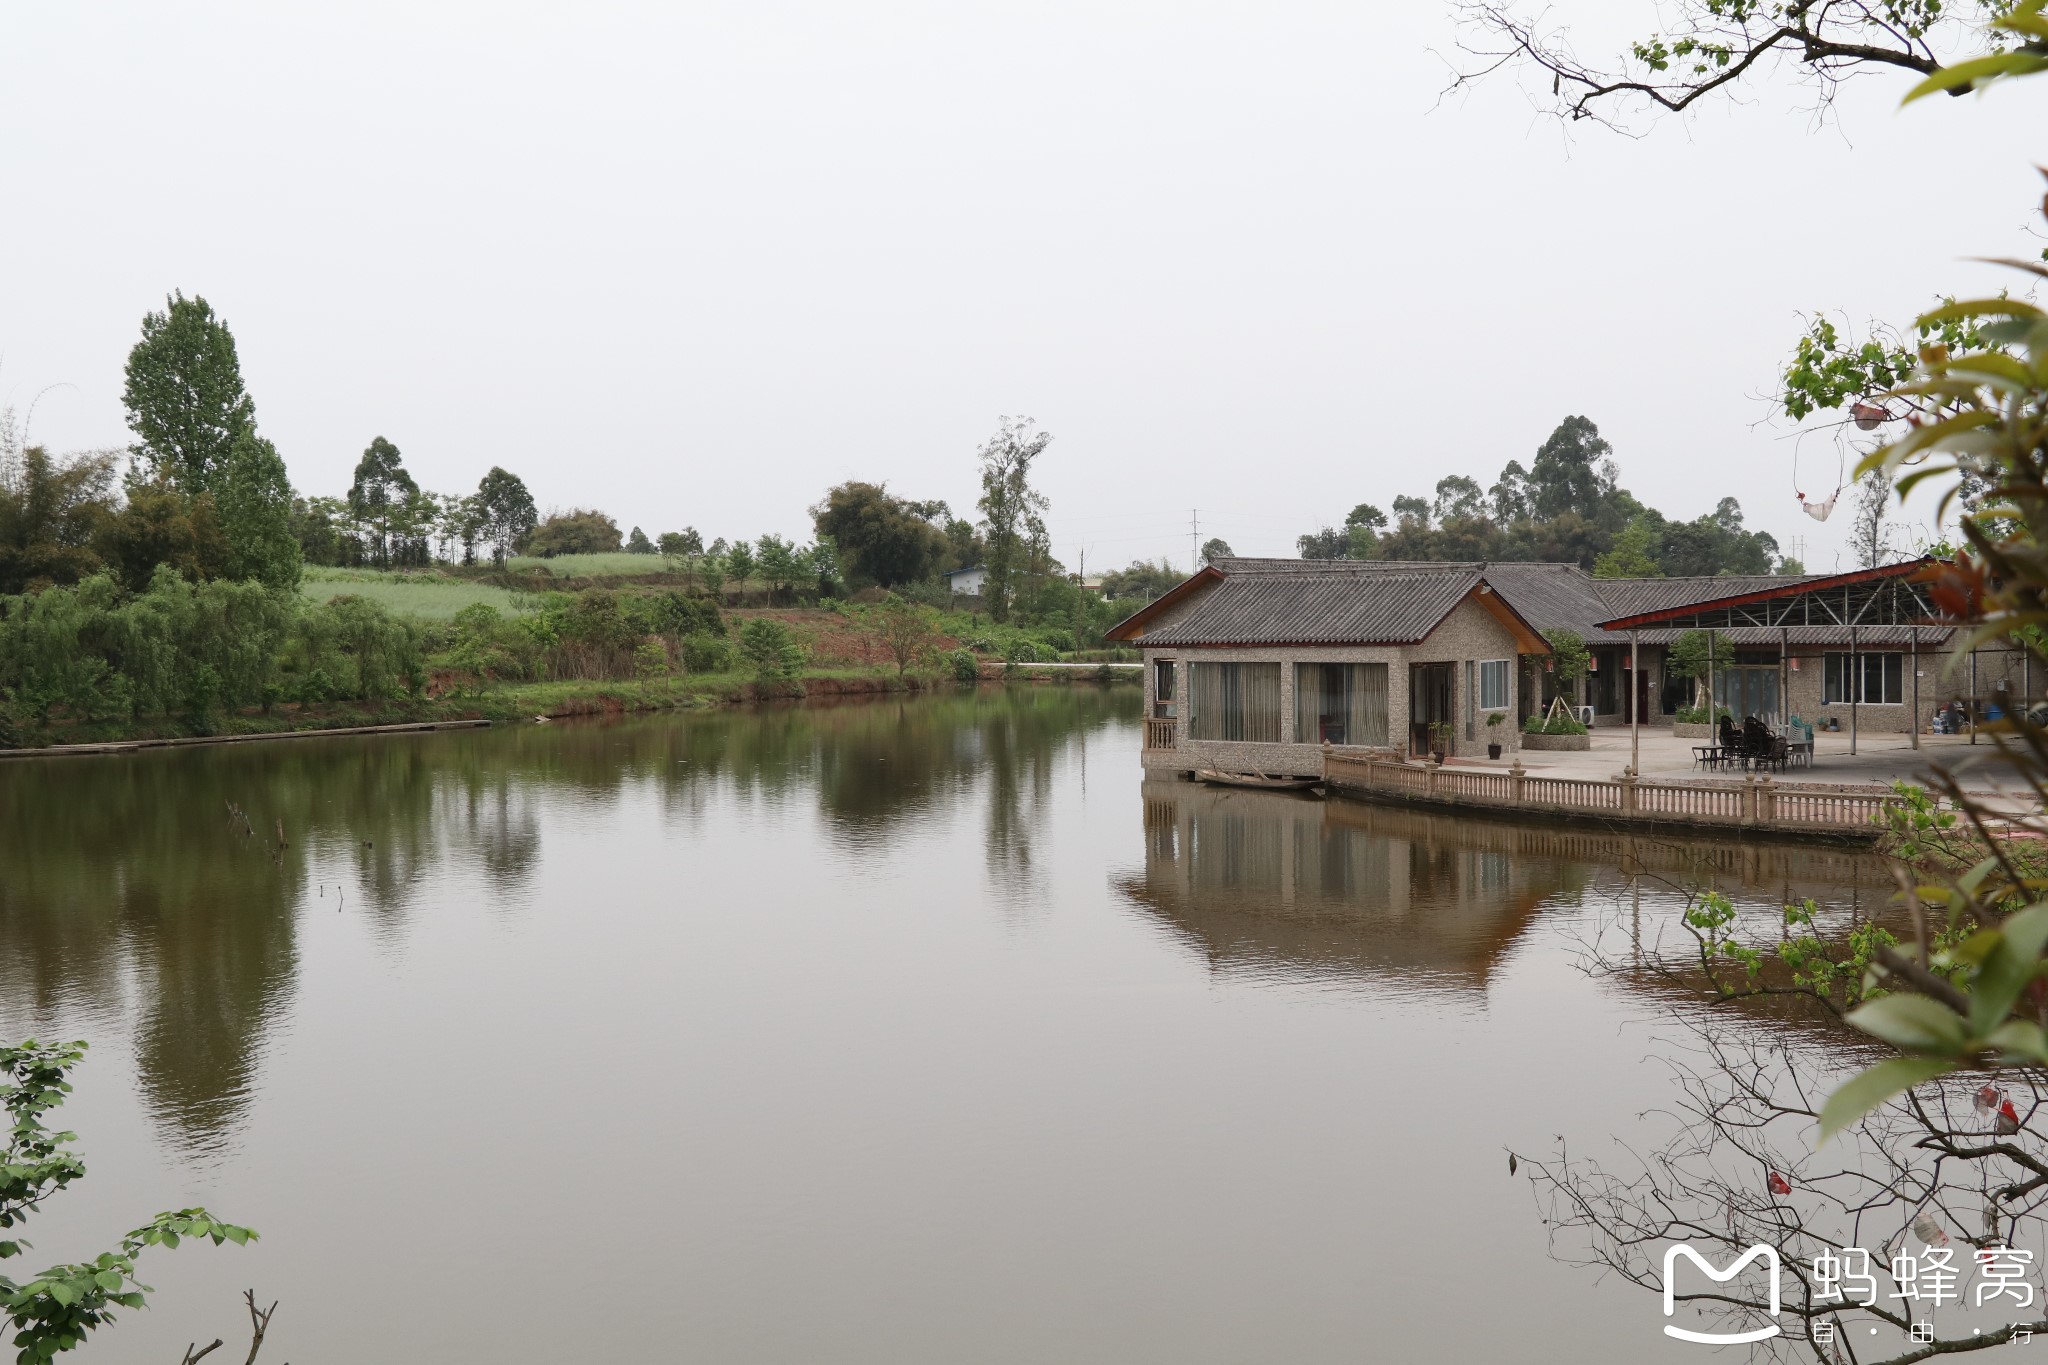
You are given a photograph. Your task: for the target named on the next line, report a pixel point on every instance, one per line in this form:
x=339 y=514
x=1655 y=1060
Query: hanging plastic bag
x=2008 y=1120
x=1779 y=1184
x=1929 y=1231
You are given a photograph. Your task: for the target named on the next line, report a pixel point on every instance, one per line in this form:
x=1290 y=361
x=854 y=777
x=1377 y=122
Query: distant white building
x=968 y=581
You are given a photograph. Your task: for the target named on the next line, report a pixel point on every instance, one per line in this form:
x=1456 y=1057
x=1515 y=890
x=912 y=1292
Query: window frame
x=1889 y=665
x=1506 y=680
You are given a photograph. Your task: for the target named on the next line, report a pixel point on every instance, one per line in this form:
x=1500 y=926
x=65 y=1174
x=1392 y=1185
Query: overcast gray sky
x=693 y=263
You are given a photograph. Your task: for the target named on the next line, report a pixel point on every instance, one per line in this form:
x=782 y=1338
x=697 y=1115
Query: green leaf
x=1913 y=1022
x=109 y=1280
x=1976 y=69
x=2020 y=1040
x=1862 y=1093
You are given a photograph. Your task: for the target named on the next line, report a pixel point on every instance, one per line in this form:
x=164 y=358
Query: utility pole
x=1194 y=541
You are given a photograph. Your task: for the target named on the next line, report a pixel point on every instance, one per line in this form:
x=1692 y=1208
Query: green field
x=431 y=596
x=585 y=566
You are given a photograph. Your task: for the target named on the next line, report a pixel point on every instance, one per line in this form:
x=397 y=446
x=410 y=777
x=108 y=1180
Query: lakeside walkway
x=1880 y=760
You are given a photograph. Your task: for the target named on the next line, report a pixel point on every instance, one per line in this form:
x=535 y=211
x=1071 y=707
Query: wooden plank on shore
x=125 y=746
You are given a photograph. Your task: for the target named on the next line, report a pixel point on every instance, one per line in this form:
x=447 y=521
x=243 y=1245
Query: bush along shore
x=93 y=663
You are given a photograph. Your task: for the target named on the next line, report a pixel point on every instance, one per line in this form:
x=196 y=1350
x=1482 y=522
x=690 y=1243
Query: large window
x=1883 y=678
x=1340 y=703
x=1235 y=701
x=1493 y=684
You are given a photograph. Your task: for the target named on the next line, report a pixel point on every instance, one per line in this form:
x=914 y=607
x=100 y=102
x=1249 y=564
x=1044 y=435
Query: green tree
x=739 y=563
x=882 y=539
x=1328 y=543
x=317 y=526
x=683 y=544
x=184 y=395
x=907 y=633
x=506 y=513
x=768 y=646
x=1215 y=549
x=1633 y=555
x=1140 y=583
x=782 y=565
x=255 y=503
x=1566 y=475
x=637 y=543
x=377 y=495
x=579 y=531
x=1011 y=510
x=159 y=527
x=53 y=517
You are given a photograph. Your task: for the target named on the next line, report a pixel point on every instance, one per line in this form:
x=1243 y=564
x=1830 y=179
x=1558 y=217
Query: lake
x=908 y=1030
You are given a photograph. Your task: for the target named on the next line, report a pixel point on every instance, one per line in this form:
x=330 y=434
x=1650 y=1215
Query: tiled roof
x=1380 y=601
x=1254 y=605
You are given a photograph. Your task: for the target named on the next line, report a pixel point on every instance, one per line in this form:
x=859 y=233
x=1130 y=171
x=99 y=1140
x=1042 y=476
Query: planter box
x=1567 y=743
x=1693 y=730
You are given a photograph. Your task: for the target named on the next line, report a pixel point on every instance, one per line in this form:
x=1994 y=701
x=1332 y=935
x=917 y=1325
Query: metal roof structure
x=1891 y=595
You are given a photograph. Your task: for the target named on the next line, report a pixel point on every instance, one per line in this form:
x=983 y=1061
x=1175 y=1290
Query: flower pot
x=1438 y=755
x=1493 y=751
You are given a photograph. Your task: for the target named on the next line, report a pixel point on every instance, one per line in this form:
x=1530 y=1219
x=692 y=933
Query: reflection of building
x=1256 y=878
x=1263 y=881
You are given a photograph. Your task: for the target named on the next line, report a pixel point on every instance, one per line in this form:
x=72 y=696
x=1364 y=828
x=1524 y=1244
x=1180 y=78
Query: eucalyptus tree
x=506 y=511
x=1012 y=511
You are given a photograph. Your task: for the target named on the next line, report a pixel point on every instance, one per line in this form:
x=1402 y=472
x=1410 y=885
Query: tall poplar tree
x=184 y=395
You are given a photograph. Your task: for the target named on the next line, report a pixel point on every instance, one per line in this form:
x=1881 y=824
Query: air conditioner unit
x=1586 y=716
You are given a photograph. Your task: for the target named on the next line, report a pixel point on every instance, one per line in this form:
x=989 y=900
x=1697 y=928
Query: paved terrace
x=1880 y=760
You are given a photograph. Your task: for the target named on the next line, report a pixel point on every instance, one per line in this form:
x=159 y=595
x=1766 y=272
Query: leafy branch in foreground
x=58 y=1308
x=1713 y=47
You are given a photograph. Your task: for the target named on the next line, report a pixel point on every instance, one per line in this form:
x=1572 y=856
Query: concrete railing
x=1754 y=803
x=1159 y=732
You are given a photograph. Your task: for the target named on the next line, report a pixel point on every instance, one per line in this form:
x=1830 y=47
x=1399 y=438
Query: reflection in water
x=1266 y=883
x=845 y=1015
x=127 y=879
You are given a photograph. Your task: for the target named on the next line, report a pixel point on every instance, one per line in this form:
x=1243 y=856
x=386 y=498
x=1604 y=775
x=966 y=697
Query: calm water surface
x=901 y=1031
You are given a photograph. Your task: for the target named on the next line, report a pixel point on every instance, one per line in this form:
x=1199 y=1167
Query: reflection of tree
x=128 y=889
x=133 y=869
x=1946 y=1176
x=1732 y=1166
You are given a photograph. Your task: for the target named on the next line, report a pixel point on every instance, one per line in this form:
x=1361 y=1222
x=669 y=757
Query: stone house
x=1253 y=665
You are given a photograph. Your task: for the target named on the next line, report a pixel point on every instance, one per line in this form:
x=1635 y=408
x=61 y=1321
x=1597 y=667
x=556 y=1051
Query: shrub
x=650 y=659
x=1698 y=715
x=966 y=668
x=707 y=654
x=1059 y=641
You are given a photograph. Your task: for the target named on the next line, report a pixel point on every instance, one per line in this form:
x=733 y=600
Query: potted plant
x=1440 y=733
x=1493 y=721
